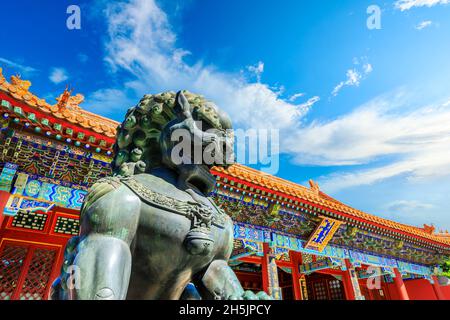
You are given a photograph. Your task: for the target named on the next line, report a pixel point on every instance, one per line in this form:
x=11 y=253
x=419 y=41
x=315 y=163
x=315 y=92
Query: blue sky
x=366 y=113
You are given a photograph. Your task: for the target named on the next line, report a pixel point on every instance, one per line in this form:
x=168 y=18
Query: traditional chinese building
x=291 y=241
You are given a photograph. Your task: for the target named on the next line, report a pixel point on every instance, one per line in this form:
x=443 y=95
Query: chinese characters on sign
x=323 y=234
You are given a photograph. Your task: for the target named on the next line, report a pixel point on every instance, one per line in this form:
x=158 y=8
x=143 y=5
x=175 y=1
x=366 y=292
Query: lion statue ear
x=182 y=105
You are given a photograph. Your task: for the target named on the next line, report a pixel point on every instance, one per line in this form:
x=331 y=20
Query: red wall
x=446 y=291
x=420 y=289
x=393 y=295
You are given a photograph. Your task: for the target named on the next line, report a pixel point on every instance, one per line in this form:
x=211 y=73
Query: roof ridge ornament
x=314 y=187
x=430 y=229
x=67 y=101
x=66 y=108
x=22 y=86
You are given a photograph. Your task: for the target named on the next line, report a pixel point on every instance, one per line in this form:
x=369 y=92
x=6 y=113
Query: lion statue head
x=179 y=131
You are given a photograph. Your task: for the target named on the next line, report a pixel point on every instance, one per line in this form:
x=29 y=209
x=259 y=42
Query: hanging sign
x=323 y=234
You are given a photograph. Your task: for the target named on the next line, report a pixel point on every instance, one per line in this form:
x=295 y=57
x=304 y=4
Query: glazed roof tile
x=319 y=198
x=67 y=108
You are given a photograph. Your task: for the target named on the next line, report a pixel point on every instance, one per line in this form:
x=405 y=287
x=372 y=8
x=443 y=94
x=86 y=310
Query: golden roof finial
x=429 y=228
x=63 y=99
x=66 y=100
x=22 y=85
x=314 y=186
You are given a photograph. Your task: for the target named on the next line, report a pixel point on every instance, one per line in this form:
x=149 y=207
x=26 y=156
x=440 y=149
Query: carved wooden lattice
x=38 y=276
x=325 y=288
x=11 y=262
x=25 y=271
x=320 y=291
x=336 y=292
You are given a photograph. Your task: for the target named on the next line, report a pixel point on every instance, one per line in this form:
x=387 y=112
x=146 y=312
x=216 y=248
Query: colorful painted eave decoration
x=337 y=254
x=375 y=272
x=316 y=266
x=62 y=121
x=60 y=195
x=67 y=107
x=323 y=234
x=56 y=130
x=291 y=195
x=246 y=249
x=20 y=203
x=7 y=175
x=358 y=258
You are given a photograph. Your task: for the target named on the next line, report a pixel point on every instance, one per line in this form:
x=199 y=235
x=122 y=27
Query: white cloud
x=257 y=70
x=108 y=101
x=25 y=70
x=412 y=212
x=354 y=77
x=294 y=97
x=141 y=41
x=404 y=5
x=423 y=25
x=408 y=206
x=308 y=104
x=414 y=144
x=367 y=68
x=58 y=75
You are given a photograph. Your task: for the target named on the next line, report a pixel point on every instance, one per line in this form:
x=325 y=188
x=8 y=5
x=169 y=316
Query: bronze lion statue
x=150 y=230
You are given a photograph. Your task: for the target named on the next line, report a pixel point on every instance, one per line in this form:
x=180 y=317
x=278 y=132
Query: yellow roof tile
x=67 y=107
x=298 y=191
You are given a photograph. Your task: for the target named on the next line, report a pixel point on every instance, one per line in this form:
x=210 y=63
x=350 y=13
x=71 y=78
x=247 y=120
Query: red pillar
x=370 y=294
x=295 y=259
x=369 y=291
x=347 y=281
x=437 y=289
x=400 y=285
x=4 y=196
x=265 y=267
